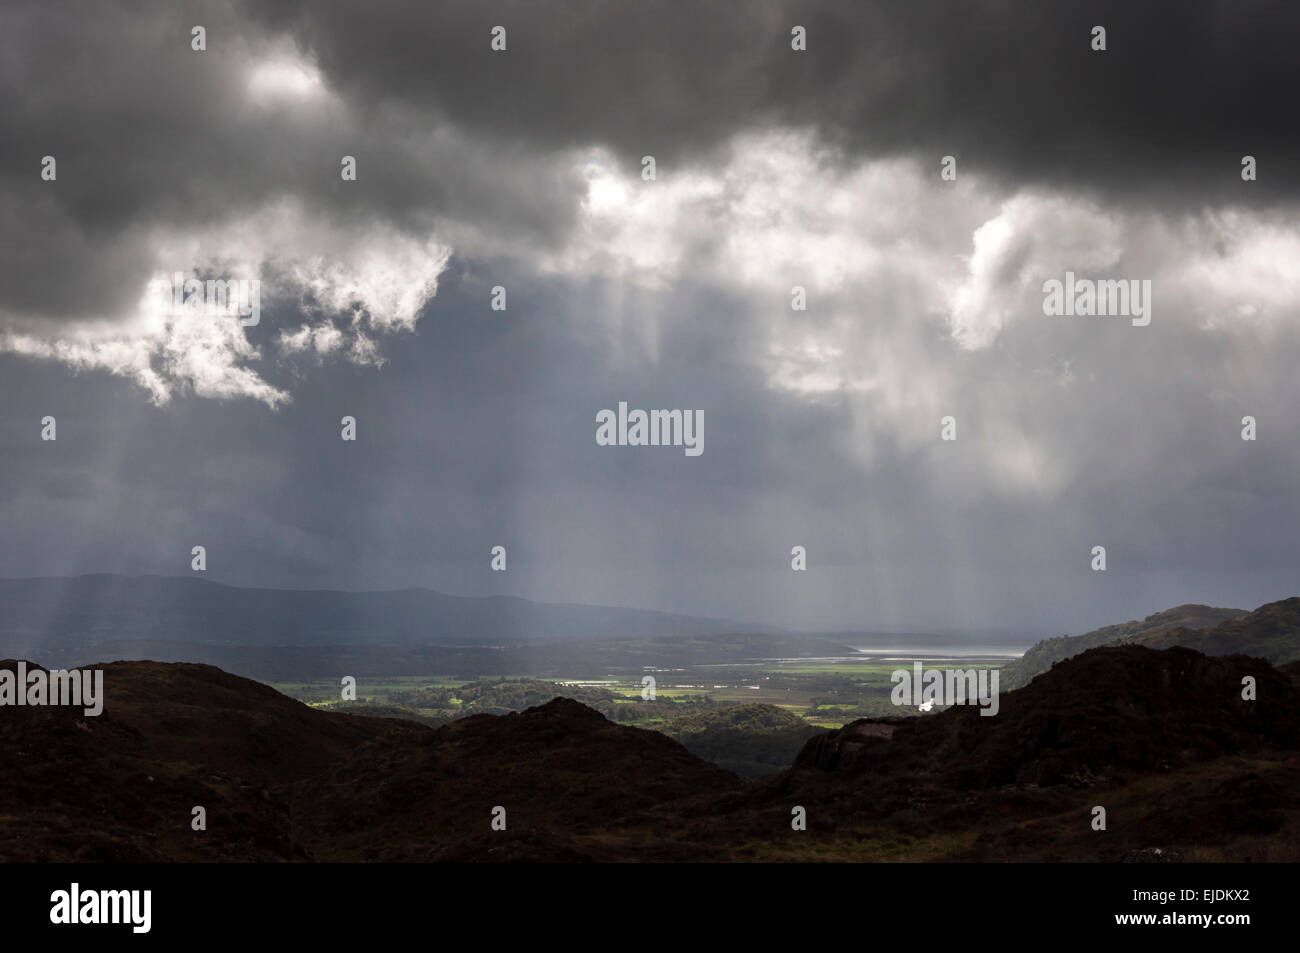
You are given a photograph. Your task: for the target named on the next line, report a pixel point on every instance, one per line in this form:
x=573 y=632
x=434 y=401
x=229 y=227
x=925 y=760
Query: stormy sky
x=775 y=168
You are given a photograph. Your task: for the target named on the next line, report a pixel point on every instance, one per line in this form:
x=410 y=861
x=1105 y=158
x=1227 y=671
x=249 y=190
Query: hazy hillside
x=1272 y=631
x=1045 y=654
x=751 y=740
x=38 y=616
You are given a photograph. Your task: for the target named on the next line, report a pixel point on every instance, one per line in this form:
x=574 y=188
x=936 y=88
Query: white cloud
x=350 y=285
x=1241 y=269
x=1032 y=238
x=284 y=79
x=924 y=297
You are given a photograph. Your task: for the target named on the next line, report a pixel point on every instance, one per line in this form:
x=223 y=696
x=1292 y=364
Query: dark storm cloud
x=1013 y=89
x=148 y=133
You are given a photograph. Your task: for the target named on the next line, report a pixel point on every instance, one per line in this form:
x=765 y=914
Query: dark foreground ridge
x=1161 y=739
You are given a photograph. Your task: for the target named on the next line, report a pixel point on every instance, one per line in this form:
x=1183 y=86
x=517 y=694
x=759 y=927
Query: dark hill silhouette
x=281 y=781
x=1162 y=739
x=121 y=785
x=561 y=770
x=1109 y=710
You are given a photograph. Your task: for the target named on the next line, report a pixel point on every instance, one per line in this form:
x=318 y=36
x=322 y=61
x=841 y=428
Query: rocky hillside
x=281 y=781
x=1272 y=631
x=1090 y=718
x=1045 y=654
x=1162 y=739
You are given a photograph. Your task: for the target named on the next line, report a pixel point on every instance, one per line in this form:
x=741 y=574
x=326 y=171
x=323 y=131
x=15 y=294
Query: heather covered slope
x=1162 y=739
x=122 y=785
x=1272 y=631
x=1043 y=655
x=752 y=740
x=281 y=781
x=1093 y=717
x=564 y=774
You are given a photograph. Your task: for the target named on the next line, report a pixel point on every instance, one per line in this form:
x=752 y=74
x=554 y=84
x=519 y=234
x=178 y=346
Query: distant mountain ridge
x=38 y=615
x=1272 y=632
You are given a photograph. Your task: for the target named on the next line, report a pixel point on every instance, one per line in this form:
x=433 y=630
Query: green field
x=822 y=693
